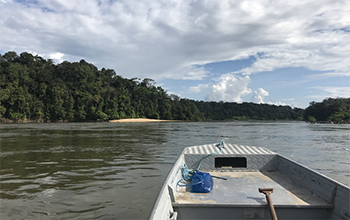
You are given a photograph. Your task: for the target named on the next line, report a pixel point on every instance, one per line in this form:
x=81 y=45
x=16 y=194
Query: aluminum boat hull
x=299 y=192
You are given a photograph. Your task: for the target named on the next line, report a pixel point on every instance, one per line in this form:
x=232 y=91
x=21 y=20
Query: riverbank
x=24 y=121
x=141 y=120
x=126 y=120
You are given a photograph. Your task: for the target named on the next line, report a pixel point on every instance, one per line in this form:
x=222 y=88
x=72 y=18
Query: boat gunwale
x=315 y=172
x=173 y=170
x=250 y=205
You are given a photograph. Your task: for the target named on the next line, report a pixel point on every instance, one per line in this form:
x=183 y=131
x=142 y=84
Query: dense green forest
x=33 y=88
x=248 y=111
x=330 y=110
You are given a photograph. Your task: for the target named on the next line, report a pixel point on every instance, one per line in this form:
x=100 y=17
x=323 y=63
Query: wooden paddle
x=267 y=192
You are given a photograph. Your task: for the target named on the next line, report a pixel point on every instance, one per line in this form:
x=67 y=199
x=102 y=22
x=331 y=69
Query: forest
x=33 y=88
x=329 y=111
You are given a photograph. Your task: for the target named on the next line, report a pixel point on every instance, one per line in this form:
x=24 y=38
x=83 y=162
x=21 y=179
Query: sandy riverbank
x=141 y=120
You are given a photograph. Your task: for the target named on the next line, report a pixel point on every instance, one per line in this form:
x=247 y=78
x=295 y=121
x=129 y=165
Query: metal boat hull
x=299 y=192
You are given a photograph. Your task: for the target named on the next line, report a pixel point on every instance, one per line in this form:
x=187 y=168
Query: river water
x=115 y=170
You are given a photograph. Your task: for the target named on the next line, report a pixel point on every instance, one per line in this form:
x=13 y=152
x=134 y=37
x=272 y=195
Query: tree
x=34 y=88
x=340 y=116
x=10 y=56
x=335 y=110
x=148 y=83
x=312 y=119
x=1 y=59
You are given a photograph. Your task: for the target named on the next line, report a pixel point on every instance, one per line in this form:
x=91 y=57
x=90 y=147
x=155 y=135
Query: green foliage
x=340 y=116
x=329 y=110
x=247 y=111
x=312 y=119
x=37 y=89
x=10 y=56
x=2 y=111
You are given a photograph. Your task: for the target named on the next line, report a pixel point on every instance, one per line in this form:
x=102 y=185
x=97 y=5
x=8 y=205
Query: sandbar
x=140 y=120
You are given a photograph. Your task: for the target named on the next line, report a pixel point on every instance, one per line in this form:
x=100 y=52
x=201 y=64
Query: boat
x=248 y=183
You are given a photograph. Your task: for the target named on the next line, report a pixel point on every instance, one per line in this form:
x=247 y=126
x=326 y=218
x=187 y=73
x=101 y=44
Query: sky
x=264 y=51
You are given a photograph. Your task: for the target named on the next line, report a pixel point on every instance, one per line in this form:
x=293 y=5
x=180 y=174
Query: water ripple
x=115 y=171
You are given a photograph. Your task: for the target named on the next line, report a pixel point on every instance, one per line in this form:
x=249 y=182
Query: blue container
x=201 y=182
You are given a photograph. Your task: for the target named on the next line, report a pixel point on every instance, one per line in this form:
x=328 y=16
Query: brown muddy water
x=115 y=170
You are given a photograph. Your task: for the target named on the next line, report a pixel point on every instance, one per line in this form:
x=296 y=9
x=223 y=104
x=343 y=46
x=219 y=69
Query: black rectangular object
x=222 y=162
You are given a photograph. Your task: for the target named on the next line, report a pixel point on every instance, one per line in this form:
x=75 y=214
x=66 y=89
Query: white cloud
x=335 y=92
x=329 y=74
x=198 y=89
x=279 y=103
x=290 y=99
x=230 y=88
x=259 y=96
x=58 y=57
x=189 y=73
x=167 y=39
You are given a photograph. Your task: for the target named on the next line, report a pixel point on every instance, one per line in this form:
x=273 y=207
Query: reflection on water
x=115 y=171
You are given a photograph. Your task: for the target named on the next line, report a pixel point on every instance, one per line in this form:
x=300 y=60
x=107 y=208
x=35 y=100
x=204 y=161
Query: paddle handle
x=267 y=192
x=272 y=209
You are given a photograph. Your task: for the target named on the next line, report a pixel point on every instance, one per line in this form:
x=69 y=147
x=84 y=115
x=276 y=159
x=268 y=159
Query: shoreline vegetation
x=33 y=89
x=329 y=111
x=124 y=120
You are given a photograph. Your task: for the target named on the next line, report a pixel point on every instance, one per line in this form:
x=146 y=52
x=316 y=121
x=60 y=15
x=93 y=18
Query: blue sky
x=275 y=52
